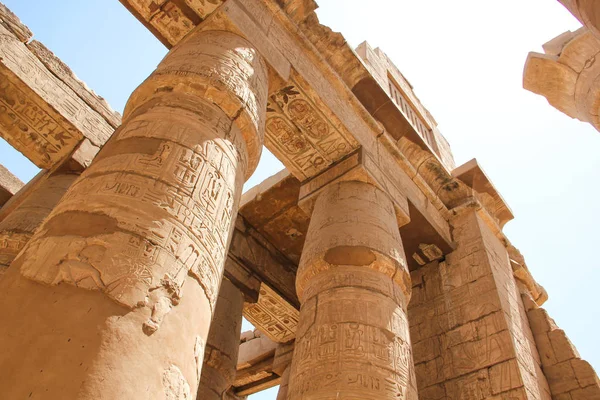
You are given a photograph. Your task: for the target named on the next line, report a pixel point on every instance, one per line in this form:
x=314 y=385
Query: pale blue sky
x=465 y=59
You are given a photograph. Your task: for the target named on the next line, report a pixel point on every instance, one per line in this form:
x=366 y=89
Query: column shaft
x=352 y=340
x=221 y=352
x=282 y=394
x=116 y=290
x=19 y=226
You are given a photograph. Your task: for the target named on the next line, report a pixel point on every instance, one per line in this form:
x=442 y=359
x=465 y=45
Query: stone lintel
x=357 y=167
x=171 y=20
x=242 y=277
x=523 y=275
x=283 y=357
x=273 y=315
x=258 y=386
x=40 y=115
x=11 y=22
x=475 y=178
x=389 y=97
x=255 y=350
x=9 y=185
x=255 y=364
x=314 y=119
x=250 y=250
x=68 y=77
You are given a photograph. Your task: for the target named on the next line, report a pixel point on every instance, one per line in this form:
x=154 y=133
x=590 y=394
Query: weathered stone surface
x=255 y=364
x=68 y=77
x=9 y=185
x=586 y=11
x=12 y=23
x=273 y=315
x=468 y=323
x=20 y=225
x=568 y=376
x=354 y=286
x=148 y=226
x=152 y=214
x=255 y=349
x=567 y=75
x=40 y=115
x=218 y=369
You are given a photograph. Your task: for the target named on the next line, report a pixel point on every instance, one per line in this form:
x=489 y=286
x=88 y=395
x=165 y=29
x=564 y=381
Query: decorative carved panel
x=303 y=133
x=172 y=19
x=273 y=316
x=40 y=115
x=29 y=125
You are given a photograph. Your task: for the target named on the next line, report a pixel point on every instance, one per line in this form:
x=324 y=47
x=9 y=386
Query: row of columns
x=145 y=230
x=113 y=296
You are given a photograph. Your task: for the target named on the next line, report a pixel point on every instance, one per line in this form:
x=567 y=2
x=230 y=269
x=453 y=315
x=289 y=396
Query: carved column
x=353 y=339
x=221 y=353
x=138 y=243
x=20 y=225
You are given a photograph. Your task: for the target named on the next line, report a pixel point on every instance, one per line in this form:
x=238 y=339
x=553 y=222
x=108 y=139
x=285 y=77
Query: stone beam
x=567 y=75
x=314 y=119
x=45 y=111
x=255 y=364
x=273 y=315
x=255 y=347
x=9 y=185
x=171 y=20
x=14 y=25
x=252 y=251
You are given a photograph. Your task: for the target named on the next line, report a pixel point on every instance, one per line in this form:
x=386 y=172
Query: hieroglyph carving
x=353 y=338
x=11 y=243
x=158 y=201
x=273 y=316
x=158 y=215
x=30 y=127
x=40 y=115
x=299 y=132
x=173 y=19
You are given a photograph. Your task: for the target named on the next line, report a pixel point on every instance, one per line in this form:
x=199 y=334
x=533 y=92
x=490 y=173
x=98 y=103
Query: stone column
x=221 y=352
x=20 y=225
x=281 y=366
x=352 y=340
x=282 y=394
x=116 y=290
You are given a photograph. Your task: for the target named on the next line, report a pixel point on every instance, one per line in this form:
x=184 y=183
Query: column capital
x=356 y=226
x=222 y=68
x=567 y=75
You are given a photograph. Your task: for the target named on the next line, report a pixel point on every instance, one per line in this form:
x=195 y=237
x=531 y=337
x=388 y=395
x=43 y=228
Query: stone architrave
x=117 y=288
x=221 y=352
x=20 y=225
x=353 y=338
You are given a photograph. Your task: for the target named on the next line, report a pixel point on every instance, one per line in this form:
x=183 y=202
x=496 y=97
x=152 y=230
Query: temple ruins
x=372 y=267
x=567 y=73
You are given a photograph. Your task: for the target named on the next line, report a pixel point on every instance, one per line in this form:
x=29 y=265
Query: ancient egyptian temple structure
x=372 y=267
